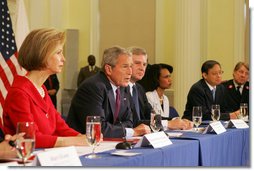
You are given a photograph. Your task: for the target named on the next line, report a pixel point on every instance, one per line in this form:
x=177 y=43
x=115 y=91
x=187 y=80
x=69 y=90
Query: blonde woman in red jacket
x=41 y=54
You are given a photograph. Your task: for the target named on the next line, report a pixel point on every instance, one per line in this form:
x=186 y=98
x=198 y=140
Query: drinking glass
x=197 y=116
x=93 y=133
x=155 y=120
x=215 y=112
x=244 y=111
x=25 y=141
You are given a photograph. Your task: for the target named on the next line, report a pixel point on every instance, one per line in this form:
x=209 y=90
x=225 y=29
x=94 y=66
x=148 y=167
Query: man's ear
x=204 y=75
x=108 y=69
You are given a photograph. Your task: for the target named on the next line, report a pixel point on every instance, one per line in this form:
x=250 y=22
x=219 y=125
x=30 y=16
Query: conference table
x=180 y=153
x=231 y=148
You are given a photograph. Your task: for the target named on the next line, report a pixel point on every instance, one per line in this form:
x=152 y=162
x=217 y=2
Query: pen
x=11 y=143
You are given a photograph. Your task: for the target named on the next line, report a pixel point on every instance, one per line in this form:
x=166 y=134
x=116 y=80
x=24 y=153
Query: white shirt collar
x=237 y=84
x=210 y=87
x=114 y=89
x=131 y=87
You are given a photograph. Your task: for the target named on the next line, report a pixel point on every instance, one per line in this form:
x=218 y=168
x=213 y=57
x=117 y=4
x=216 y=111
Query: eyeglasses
x=217 y=73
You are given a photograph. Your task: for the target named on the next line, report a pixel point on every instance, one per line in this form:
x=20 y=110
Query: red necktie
x=117 y=106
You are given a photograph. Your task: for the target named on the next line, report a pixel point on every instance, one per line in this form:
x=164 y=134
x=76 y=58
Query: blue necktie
x=213 y=93
x=135 y=99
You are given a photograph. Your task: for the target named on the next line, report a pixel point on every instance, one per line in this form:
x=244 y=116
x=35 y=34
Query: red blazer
x=24 y=103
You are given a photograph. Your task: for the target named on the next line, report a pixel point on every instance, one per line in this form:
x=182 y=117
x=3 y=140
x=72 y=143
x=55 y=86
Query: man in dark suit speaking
x=104 y=94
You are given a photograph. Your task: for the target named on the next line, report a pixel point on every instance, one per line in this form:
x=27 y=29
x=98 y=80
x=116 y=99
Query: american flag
x=9 y=66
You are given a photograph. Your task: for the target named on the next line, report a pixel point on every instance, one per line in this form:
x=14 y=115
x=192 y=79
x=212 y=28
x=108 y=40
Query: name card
x=217 y=127
x=63 y=156
x=238 y=123
x=157 y=140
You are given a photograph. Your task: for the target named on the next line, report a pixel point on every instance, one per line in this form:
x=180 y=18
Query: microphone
x=123 y=145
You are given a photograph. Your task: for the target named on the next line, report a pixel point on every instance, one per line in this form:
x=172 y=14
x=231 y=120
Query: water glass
x=215 y=110
x=155 y=122
x=93 y=133
x=25 y=141
x=244 y=111
x=197 y=116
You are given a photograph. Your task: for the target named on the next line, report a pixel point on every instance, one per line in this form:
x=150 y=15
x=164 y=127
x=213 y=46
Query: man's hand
x=180 y=124
x=141 y=129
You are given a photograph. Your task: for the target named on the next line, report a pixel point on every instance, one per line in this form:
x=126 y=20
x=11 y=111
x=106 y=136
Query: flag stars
x=7 y=39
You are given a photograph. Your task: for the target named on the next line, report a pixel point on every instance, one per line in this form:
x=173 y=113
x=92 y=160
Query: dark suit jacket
x=201 y=95
x=84 y=73
x=52 y=83
x=144 y=106
x=95 y=97
x=234 y=99
x=145 y=81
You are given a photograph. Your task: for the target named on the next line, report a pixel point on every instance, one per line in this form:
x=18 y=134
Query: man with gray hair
x=104 y=95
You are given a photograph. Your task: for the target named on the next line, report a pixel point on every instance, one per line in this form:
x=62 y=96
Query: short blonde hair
x=239 y=64
x=38 y=46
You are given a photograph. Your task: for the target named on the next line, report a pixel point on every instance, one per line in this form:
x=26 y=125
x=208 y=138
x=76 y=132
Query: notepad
x=124 y=153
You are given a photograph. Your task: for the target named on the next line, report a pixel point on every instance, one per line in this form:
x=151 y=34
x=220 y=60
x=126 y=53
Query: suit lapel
x=208 y=92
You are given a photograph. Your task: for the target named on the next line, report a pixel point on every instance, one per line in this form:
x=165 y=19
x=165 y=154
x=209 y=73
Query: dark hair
x=208 y=65
x=154 y=72
x=90 y=57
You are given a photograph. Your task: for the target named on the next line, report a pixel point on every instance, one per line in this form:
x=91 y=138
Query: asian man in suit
x=99 y=95
x=201 y=93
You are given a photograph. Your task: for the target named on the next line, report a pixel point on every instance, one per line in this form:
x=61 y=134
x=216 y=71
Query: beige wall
x=128 y=23
x=220 y=35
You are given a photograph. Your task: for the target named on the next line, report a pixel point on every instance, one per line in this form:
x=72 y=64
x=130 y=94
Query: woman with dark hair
x=160 y=81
